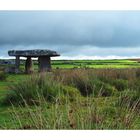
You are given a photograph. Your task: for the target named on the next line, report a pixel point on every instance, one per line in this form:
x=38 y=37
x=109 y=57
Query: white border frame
x=69 y=135
x=69 y=4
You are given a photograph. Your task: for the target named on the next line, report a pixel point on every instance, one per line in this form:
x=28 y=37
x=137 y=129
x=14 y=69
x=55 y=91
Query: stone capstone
x=32 y=53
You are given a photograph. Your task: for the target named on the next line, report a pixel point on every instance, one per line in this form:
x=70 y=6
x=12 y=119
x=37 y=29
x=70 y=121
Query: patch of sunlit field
x=68 y=64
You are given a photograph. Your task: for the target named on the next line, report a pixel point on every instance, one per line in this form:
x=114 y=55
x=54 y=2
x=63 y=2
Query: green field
x=85 y=94
x=95 y=64
x=70 y=64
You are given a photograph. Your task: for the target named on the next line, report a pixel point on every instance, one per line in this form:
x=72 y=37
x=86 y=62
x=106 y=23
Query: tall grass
x=38 y=87
x=85 y=114
x=86 y=81
x=77 y=99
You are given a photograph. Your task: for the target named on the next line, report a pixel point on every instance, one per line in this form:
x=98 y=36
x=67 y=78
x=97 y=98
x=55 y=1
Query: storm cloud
x=74 y=34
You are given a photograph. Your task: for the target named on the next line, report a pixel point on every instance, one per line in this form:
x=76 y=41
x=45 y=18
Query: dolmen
x=44 y=59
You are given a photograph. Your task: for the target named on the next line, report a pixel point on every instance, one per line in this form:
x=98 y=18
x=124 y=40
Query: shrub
x=69 y=94
x=3 y=76
x=70 y=91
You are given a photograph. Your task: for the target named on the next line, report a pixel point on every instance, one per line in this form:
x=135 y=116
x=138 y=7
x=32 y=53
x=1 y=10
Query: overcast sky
x=74 y=34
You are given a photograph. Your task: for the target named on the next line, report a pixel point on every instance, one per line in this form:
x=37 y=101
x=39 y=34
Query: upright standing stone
x=44 y=63
x=28 y=65
x=17 y=64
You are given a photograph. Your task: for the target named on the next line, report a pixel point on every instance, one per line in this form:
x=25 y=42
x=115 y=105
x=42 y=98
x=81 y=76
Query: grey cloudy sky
x=74 y=34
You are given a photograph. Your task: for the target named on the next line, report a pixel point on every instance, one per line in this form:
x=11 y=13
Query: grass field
x=67 y=64
x=107 y=97
x=95 y=64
